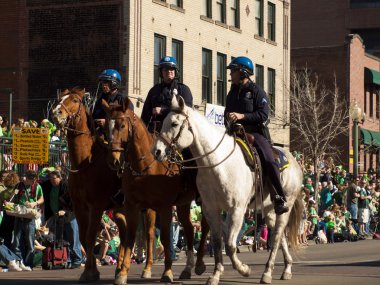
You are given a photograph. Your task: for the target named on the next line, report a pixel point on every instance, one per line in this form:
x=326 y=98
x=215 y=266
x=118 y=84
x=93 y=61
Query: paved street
x=340 y=263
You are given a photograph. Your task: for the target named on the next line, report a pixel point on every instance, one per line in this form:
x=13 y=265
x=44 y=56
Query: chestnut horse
x=91 y=182
x=148 y=183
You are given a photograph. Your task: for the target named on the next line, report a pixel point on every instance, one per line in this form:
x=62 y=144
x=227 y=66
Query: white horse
x=229 y=186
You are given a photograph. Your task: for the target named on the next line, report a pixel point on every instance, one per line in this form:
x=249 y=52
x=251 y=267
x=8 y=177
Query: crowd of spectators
x=342 y=207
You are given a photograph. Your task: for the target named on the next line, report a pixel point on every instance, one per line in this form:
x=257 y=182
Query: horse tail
x=295 y=221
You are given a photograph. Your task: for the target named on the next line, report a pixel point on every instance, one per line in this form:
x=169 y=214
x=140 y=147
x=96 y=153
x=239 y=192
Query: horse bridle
x=72 y=116
x=173 y=144
x=131 y=128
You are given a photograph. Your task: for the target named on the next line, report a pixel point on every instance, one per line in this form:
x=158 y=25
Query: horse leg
x=200 y=266
x=121 y=222
x=184 y=217
x=277 y=233
x=214 y=219
x=287 y=274
x=150 y=222
x=235 y=218
x=91 y=272
x=165 y=218
x=131 y=227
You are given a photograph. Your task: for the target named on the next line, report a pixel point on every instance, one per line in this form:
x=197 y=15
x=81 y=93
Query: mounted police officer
x=110 y=81
x=158 y=102
x=247 y=104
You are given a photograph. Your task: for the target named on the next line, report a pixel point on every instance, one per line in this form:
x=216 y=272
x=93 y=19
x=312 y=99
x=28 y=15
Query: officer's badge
x=248 y=95
x=167 y=58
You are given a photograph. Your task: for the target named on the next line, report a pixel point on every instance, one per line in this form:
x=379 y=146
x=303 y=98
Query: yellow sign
x=30 y=145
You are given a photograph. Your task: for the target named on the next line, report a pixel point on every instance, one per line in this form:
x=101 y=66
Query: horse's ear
x=181 y=103
x=105 y=106
x=175 y=104
x=126 y=104
x=80 y=91
x=63 y=93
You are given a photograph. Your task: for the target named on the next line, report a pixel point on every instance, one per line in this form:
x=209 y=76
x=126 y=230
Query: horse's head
x=69 y=106
x=176 y=132
x=119 y=127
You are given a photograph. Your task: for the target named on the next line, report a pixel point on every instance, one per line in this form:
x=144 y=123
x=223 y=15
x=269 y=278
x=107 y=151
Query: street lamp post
x=355 y=132
x=356 y=115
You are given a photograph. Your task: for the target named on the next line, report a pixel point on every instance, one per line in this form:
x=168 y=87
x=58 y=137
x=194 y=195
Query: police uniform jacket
x=160 y=95
x=251 y=101
x=117 y=98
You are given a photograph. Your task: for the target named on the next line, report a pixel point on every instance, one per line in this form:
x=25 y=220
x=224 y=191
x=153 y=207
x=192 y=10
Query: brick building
x=337 y=38
x=63 y=43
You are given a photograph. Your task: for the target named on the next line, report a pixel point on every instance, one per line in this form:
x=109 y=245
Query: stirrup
x=280 y=205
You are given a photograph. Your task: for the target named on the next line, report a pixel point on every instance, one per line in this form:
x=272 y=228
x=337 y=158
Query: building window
x=206 y=75
x=178 y=3
x=272 y=88
x=235 y=13
x=177 y=53
x=259 y=76
x=159 y=52
x=271 y=21
x=259 y=8
x=221 y=11
x=207 y=8
x=221 y=75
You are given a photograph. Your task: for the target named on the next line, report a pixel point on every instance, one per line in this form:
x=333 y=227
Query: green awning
x=370 y=137
x=371 y=76
x=366 y=136
x=375 y=138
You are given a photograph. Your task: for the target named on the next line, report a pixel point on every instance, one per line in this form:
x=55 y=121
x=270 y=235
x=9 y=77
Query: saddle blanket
x=279 y=155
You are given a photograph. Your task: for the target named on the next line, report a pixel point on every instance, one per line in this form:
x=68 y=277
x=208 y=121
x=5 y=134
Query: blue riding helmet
x=243 y=63
x=112 y=76
x=168 y=62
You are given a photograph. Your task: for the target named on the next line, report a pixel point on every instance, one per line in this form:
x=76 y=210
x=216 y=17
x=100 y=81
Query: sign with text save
x=30 y=145
x=215 y=114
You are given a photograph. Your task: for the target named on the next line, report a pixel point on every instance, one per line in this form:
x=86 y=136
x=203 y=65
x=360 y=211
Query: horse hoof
x=120 y=280
x=87 y=277
x=146 y=274
x=212 y=281
x=200 y=269
x=266 y=279
x=286 y=276
x=185 y=275
x=245 y=270
x=166 y=279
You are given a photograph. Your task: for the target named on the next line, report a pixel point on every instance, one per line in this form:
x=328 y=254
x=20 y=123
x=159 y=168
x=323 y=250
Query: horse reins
x=125 y=150
x=173 y=145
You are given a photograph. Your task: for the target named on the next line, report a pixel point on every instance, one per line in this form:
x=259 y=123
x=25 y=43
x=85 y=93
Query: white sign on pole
x=215 y=114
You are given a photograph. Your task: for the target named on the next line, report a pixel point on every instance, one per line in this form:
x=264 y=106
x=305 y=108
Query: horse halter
x=71 y=116
x=111 y=126
x=173 y=144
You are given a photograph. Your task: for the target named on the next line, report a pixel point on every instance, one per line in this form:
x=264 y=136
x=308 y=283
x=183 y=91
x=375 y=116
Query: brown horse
x=148 y=183
x=91 y=182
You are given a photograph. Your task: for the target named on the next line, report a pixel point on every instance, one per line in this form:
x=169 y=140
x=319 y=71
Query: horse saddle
x=278 y=154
